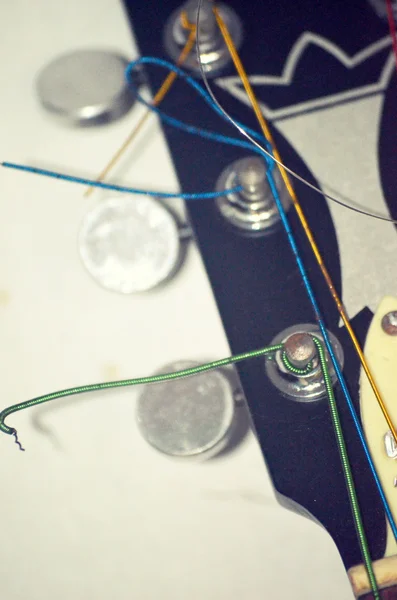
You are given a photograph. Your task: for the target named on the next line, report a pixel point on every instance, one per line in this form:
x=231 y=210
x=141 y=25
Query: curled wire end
x=15 y=434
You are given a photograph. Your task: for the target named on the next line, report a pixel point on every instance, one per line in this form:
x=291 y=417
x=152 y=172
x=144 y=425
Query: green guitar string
x=295 y=370
x=220 y=363
x=94 y=387
x=351 y=489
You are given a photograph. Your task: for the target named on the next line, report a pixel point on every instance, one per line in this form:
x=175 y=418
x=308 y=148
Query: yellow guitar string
x=158 y=98
x=305 y=225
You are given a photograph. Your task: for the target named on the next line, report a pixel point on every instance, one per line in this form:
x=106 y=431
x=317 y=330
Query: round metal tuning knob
x=131 y=245
x=85 y=87
x=300 y=351
x=214 y=53
x=191 y=417
x=253 y=209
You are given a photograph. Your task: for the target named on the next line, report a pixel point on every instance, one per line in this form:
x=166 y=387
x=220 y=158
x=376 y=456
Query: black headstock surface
x=255 y=281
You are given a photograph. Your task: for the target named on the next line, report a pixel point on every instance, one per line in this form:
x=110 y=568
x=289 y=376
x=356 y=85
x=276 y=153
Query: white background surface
x=90 y=511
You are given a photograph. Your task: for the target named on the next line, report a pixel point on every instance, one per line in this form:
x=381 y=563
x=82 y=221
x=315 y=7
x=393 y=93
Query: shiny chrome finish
x=300 y=349
x=214 y=53
x=130 y=245
x=85 y=87
x=302 y=388
x=192 y=417
x=253 y=209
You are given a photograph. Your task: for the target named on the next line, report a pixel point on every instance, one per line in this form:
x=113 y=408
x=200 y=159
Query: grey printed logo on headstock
x=328 y=105
x=307 y=43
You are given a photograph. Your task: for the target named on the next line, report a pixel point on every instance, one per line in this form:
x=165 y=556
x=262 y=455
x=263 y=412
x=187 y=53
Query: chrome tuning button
x=300 y=351
x=131 y=245
x=253 y=209
x=214 y=53
x=192 y=417
x=85 y=87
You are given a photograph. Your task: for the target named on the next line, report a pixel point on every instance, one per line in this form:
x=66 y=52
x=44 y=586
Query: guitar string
x=114 y=187
x=173 y=122
x=225 y=139
x=188 y=128
x=302 y=218
x=361 y=537
x=312 y=298
x=347 y=471
x=392 y=27
x=213 y=365
x=191 y=130
x=333 y=407
x=94 y=387
x=158 y=98
x=197 y=130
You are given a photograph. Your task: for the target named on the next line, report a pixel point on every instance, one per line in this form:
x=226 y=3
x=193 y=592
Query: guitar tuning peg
x=131 y=245
x=214 y=53
x=85 y=87
x=300 y=351
x=207 y=25
x=192 y=418
x=253 y=209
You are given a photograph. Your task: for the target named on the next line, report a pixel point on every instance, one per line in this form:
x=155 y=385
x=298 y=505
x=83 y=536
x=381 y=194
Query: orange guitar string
x=158 y=98
x=265 y=129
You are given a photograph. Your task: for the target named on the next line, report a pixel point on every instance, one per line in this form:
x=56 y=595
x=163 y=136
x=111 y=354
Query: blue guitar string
x=113 y=186
x=149 y=60
x=294 y=248
x=191 y=129
x=331 y=352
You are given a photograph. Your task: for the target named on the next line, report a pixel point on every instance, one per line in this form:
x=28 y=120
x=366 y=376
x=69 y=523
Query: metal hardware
x=192 y=417
x=214 y=53
x=302 y=388
x=253 y=209
x=130 y=245
x=85 y=87
x=300 y=349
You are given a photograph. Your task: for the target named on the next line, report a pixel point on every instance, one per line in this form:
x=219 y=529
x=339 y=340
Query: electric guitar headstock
x=327 y=88
x=325 y=80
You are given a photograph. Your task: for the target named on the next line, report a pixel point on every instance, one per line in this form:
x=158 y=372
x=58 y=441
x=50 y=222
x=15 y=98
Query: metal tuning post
x=214 y=53
x=300 y=351
x=253 y=209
